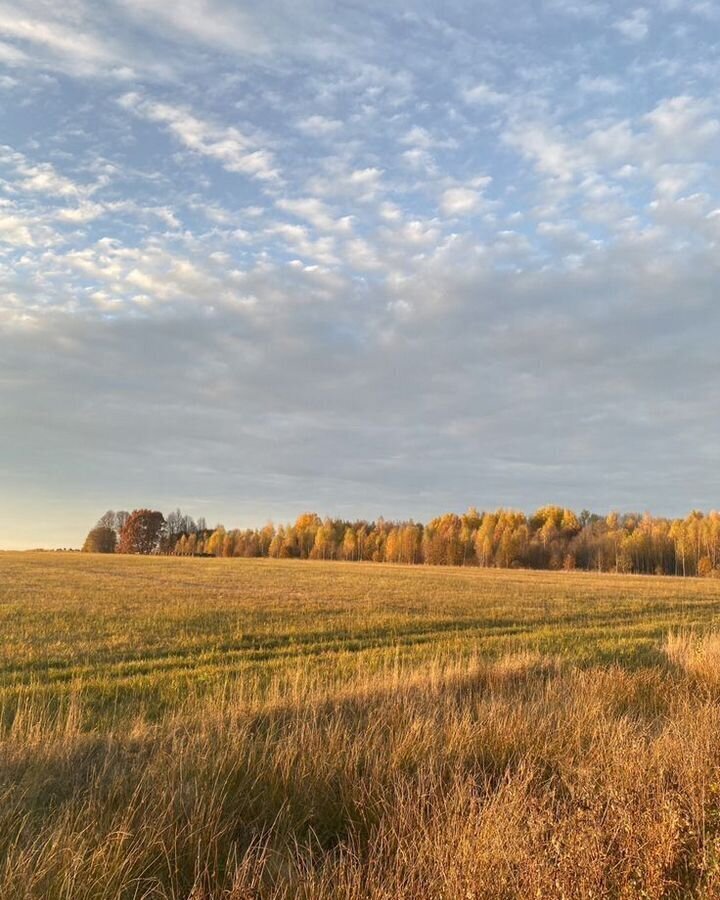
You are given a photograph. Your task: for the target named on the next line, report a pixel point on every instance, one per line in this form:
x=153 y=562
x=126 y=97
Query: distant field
x=212 y=728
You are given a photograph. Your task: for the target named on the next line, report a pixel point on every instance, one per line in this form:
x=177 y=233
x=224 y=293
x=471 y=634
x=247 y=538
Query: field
x=202 y=728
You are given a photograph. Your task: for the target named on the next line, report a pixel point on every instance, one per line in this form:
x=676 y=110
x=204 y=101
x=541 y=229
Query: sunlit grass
x=175 y=728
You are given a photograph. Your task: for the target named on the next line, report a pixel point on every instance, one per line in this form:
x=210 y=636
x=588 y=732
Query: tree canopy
x=100 y=539
x=142 y=532
x=552 y=537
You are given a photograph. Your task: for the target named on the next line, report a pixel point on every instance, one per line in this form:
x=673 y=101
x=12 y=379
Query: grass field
x=176 y=728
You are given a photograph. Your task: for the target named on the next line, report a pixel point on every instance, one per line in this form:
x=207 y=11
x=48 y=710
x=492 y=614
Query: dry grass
x=232 y=729
x=696 y=654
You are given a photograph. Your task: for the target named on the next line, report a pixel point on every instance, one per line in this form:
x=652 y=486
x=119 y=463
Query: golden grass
x=696 y=654
x=240 y=729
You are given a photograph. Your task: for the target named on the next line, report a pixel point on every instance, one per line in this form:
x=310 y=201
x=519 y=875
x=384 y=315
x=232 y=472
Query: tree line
x=551 y=538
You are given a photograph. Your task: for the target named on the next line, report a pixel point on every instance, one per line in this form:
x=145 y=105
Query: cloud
x=343 y=181
x=600 y=84
x=363 y=255
x=686 y=122
x=319 y=126
x=317 y=213
x=65 y=42
x=423 y=139
x=226 y=144
x=420 y=160
x=276 y=247
x=552 y=153
x=664 y=147
x=221 y=25
x=297 y=238
x=413 y=234
x=455 y=318
x=580 y=9
x=460 y=201
x=11 y=55
x=15 y=230
x=483 y=95
x=43 y=179
x=635 y=26
x=84 y=212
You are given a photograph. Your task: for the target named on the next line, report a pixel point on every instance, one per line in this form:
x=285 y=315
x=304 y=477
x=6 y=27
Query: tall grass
x=581 y=762
x=696 y=654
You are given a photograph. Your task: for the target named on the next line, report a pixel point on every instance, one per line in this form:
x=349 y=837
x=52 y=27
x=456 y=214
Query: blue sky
x=259 y=258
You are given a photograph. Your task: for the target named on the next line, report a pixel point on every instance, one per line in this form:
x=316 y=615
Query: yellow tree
x=349 y=544
x=216 y=541
x=306 y=527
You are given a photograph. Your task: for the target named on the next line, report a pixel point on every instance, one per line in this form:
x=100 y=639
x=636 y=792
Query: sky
x=360 y=258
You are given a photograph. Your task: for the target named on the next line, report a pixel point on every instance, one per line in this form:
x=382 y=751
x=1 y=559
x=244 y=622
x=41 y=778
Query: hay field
x=211 y=728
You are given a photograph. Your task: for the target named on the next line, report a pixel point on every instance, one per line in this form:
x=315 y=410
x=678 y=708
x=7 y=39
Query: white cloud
x=600 y=84
x=340 y=180
x=11 y=55
x=319 y=126
x=366 y=179
x=317 y=213
x=390 y=212
x=420 y=160
x=415 y=233
x=297 y=238
x=362 y=255
x=635 y=26
x=422 y=139
x=460 y=201
x=84 y=212
x=552 y=153
x=483 y=95
x=580 y=9
x=685 y=120
x=15 y=230
x=235 y=151
x=418 y=137
x=43 y=179
x=54 y=35
x=206 y=21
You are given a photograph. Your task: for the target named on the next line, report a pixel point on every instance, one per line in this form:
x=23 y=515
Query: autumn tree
x=705 y=567
x=121 y=517
x=485 y=540
x=101 y=539
x=177 y=526
x=410 y=543
x=349 y=544
x=306 y=527
x=216 y=542
x=326 y=542
x=552 y=538
x=107 y=520
x=113 y=519
x=142 y=532
x=265 y=538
